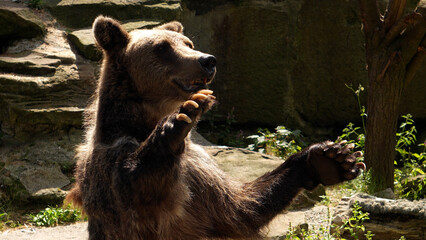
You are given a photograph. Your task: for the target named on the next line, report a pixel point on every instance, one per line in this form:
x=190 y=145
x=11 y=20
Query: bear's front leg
x=180 y=124
x=324 y=163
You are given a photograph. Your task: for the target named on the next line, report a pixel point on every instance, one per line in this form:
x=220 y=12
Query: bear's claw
x=192 y=103
x=206 y=92
x=199 y=96
x=183 y=117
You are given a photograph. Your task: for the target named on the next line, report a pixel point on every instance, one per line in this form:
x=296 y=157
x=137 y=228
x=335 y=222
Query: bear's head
x=161 y=62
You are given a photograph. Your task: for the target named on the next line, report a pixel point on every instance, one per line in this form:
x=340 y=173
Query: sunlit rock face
x=287 y=62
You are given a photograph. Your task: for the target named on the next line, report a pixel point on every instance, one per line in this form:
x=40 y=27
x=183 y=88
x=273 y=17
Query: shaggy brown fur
x=138 y=174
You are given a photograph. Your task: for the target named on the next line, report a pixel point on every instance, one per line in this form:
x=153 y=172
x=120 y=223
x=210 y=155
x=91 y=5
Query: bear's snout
x=208 y=63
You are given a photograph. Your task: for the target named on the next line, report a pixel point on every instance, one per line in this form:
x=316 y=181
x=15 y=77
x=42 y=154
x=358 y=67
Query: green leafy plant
x=410 y=164
x=354 y=135
x=282 y=143
x=6 y=221
x=355 y=224
x=406 y=138
x=50 y=216
x=362 y=109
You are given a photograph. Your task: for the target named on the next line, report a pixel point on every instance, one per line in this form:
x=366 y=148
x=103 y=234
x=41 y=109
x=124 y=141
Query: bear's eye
x=189 y=44
x=162 y=46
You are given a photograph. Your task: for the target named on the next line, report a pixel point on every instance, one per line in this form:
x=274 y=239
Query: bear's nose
x=208 y=62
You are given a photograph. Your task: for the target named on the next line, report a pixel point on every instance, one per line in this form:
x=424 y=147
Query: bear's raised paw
x=332 y=163
x=199 y=103
x=178 y=126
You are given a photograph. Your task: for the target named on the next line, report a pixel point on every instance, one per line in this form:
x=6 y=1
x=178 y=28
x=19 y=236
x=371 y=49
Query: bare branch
x=415 y=63
x=399 y=26
x=370 y=16
x=394 y=12
x=413 y=36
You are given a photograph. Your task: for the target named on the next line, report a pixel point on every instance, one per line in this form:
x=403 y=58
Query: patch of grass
x=53 y=216
x=6 y=221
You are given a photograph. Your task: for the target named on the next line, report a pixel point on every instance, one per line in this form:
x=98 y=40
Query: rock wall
x=287 y=62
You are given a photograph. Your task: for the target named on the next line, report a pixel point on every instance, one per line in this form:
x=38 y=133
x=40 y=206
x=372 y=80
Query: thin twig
x=398 y=27
x=394 y=12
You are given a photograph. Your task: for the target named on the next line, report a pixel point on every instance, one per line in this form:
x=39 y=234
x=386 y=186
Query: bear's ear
x=109 y=34
x=172 y=26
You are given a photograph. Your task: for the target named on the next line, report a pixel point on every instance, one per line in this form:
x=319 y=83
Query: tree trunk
x=384 y=94
x=395 y=47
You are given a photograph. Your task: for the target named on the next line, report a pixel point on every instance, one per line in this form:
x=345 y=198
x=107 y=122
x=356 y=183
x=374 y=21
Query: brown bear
x=139 y=176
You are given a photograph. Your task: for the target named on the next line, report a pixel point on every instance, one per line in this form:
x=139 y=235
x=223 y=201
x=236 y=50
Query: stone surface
x=65 y=11
x=36 y=178
x=49 y=196
x=28 y=169
x=84 y=41
x=18 y=22
x=30 y=64
x=44 y=85
x=389 y=219
x=241 y=164
x=287 y=62
x=387 y=193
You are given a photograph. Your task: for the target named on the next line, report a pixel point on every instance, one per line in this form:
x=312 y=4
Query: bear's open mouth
x=192 y=85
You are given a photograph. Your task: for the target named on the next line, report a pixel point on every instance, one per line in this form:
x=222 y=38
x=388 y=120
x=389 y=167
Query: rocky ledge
x=389 y=218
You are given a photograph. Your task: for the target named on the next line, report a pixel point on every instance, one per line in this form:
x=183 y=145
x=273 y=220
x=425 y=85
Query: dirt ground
x=69 y=232
x=277 y=228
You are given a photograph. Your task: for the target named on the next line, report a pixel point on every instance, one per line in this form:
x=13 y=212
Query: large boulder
x=18 y=22
x=38 y=170
x=389 y=219
x=81 y=13
x=84 y=40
